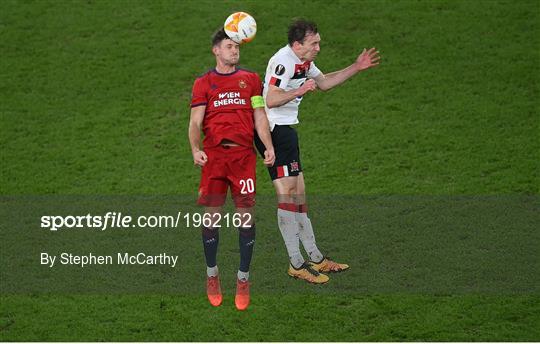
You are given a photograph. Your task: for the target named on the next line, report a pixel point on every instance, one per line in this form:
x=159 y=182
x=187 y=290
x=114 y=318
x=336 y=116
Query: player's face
x=228 y=52
x=311 y=47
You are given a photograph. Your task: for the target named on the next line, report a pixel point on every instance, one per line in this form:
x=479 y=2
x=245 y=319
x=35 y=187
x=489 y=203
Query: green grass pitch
x=94 y=101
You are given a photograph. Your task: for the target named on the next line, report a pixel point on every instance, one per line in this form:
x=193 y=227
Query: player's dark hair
x=299 y=29
x=218 y=36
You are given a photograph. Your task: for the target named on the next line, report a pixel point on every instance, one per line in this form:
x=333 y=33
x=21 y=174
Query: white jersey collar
x=291 y=52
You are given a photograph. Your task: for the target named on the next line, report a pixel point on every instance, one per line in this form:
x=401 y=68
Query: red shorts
x=228 y=166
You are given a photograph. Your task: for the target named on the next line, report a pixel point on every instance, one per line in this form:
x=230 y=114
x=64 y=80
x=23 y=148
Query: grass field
x=437 y=151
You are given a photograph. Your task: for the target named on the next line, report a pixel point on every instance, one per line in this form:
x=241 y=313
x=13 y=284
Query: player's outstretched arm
x=277 y=97
x=195 y=124
x=367 y=59
x=263 y=130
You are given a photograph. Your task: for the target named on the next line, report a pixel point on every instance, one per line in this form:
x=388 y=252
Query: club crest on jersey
x=280 y=69
x=300 y=70
x=242 y=84
x=294 y=166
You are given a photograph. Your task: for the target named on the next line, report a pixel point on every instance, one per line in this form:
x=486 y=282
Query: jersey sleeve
x=313 y=71
x=256 y=87
x=257 y=100
x=281 y=71
x=198 y=94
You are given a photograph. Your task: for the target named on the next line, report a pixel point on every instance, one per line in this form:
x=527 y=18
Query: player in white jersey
x=290 y=74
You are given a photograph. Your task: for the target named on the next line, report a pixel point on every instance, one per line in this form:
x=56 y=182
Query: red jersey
x=228 y=114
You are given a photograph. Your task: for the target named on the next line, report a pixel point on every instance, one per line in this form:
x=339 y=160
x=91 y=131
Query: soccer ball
x=240 y=27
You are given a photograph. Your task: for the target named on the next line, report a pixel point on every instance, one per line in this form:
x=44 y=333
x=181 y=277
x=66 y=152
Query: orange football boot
x=242 y=295
x=327 y=266
x=213 y=291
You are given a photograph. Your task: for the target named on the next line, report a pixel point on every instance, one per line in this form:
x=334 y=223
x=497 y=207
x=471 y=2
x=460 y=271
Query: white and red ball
x=240 y=27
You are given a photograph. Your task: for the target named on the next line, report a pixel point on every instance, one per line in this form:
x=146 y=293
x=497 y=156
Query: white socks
x=212 y=272
x=289 y=231
x=308 y=237
x=243 y=276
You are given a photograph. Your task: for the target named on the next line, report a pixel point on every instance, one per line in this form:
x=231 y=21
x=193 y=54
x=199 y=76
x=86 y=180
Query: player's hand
x=367 y=59
x=199 y=158
x=269 y=157
x=309 y=85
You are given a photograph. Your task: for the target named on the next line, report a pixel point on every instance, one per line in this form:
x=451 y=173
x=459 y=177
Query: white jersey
x=286 y=71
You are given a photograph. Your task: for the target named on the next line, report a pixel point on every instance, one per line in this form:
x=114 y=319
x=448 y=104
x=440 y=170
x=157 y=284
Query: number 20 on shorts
x=248 y=186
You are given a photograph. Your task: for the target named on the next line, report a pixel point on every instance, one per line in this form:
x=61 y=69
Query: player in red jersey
x=227 y=105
